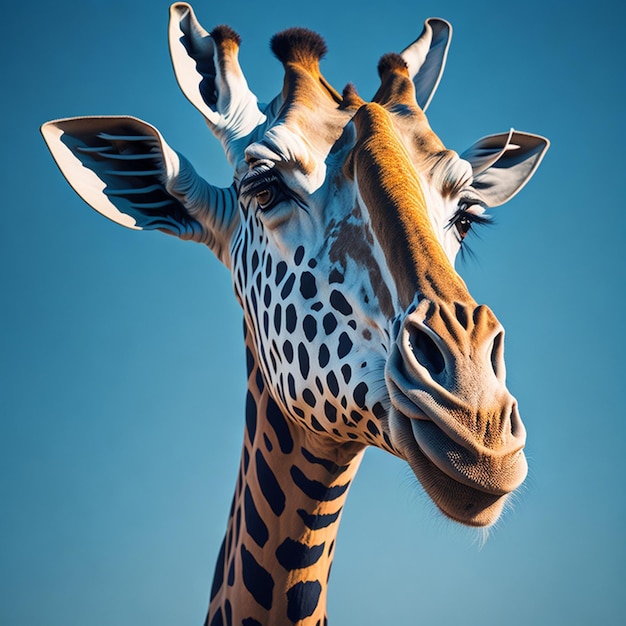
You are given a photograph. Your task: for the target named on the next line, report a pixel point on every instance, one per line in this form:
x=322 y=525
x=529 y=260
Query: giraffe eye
x=463 y=225
x=263 y=187
x=465 y=217
x=267 y=198
x=269 y=195
x=264 y=190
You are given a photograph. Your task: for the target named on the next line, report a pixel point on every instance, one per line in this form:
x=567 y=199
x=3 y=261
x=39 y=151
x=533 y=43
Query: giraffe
x=340 y=230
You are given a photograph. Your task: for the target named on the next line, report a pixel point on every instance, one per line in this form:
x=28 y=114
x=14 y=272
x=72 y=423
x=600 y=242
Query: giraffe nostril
x=461 y=314
x=426 y=351
x=497 y=355
x=516 y=426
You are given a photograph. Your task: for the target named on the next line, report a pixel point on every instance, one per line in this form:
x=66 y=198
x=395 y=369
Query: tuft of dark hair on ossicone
x=390 y=62
x=350 y=97
x=298 y=44
x=223 y=33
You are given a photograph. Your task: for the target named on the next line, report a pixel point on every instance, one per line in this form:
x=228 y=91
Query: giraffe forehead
x=305 y=144
x=288 y=148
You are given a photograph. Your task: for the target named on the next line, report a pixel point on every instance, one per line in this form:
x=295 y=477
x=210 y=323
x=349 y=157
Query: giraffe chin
x=462 y=503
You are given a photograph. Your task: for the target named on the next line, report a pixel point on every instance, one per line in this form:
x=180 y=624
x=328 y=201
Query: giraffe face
x=341 y=231
x=355 y=349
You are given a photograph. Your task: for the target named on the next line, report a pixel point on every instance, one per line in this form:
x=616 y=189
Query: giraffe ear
x=122 y=167
x=502 y=164
x=192 y=51
x=208 y=72
x=426 y=58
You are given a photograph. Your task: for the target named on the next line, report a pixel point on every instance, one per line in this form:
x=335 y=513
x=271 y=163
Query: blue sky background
x=121 y=358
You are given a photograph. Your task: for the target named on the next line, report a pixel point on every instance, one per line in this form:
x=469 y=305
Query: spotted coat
x=340 y=230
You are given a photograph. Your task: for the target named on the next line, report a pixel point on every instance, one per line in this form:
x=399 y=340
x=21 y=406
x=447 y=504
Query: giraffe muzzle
x=453 y=417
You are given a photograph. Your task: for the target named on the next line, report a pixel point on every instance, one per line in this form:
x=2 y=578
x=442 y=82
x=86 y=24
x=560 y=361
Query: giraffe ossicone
x=340 y=230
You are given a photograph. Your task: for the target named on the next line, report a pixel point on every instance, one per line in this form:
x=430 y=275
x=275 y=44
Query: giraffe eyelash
x=263 y=187
x=263 y=179
x=464 y=220
x=256 y=181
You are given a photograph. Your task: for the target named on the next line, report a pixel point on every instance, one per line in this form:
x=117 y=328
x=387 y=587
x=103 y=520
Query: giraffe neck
x=275 y=560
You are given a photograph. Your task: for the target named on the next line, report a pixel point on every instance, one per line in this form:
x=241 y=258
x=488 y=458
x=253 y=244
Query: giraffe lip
x=490 y=473
x=444 y=453
x=459 y=458
x=464 y=503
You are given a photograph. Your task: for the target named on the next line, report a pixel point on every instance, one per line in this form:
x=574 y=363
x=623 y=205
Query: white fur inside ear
x=218 y=89
x=86 y=181
x=504 y=163
x=486 y=151
x=426 y=58
x=191 y=47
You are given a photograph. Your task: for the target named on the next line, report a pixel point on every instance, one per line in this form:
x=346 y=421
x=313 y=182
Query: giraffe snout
x=447 y=383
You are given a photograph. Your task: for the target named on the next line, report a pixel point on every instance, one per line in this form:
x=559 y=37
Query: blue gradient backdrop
x=121 y=358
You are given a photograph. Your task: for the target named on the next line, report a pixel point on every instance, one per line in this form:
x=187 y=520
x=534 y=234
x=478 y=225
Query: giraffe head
x=341 y=229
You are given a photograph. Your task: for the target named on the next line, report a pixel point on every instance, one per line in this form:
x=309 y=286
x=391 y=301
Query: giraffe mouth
x=463 y=503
